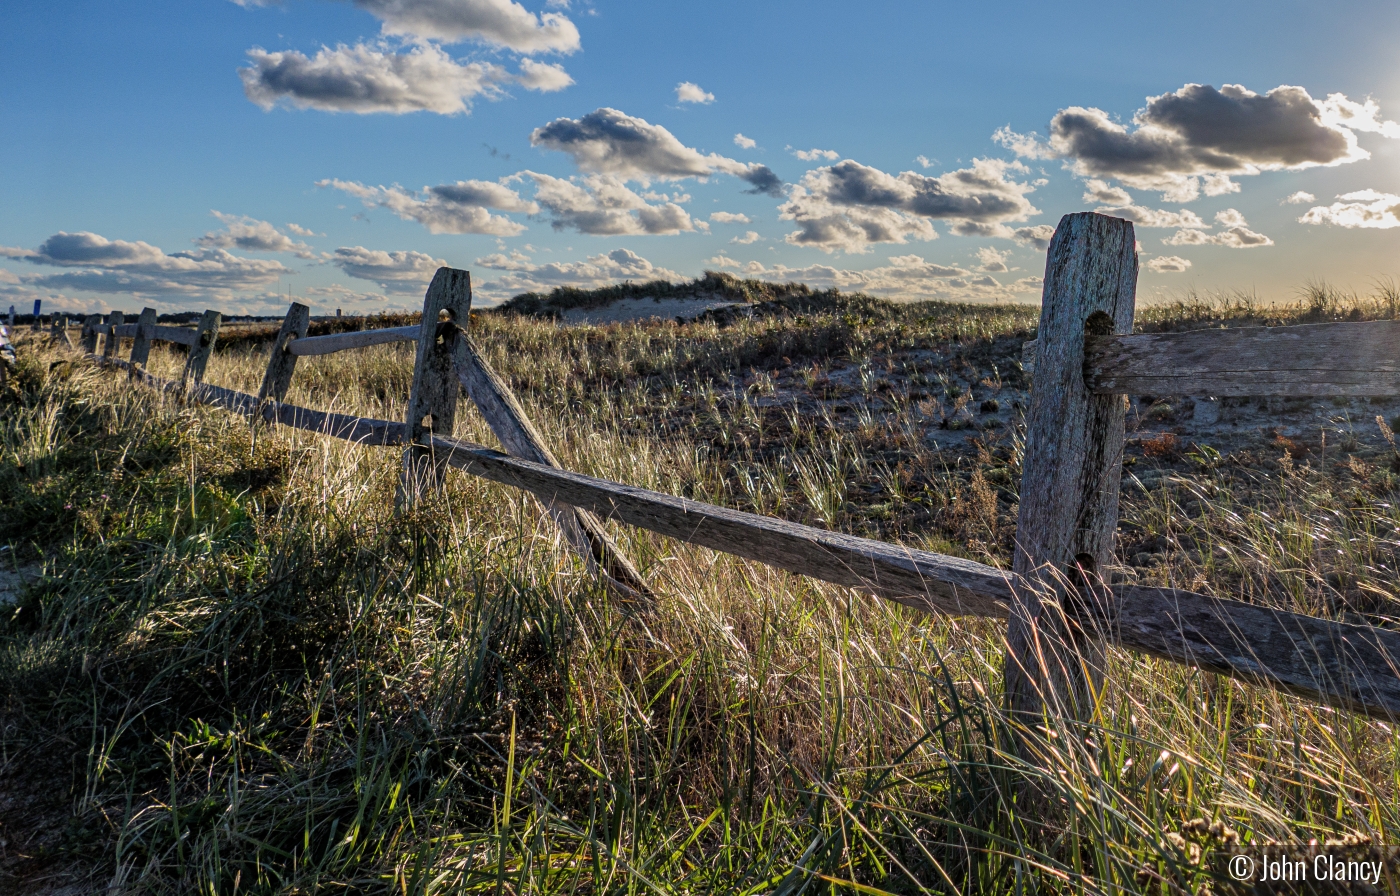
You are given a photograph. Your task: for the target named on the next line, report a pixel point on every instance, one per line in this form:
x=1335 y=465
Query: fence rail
x=1353 y=667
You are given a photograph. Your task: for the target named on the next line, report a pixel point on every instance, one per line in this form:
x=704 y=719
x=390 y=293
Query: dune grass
x=241 y=672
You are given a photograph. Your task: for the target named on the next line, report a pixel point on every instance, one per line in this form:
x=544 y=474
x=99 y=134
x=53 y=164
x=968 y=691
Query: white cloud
x=729 y=218
x=1236 y=234
x=850 y=206
x=251 y=235
x=1103 y=193
x=546 y=77
x=302 y=231
x=1369 y=209
x=903 y=277
x=1299 y=198
x=501 y=23
x=1150 y=217
x=460 y=207
x=688 y=92
x=607 y=141
x=813 y=155
x=598 y=270
x=744 y=142
x=603 y=205
x=1167 y=264
x=1193 y=140
x=97 y=264
x=1037 y=237
x=395 y=272
x=365 y=79
x=992 y=261
x=925 y=161
x=749 y=238
x=500 y=261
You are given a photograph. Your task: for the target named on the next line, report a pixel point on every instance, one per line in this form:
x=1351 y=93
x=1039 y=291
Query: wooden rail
x=339 y=342
x=1346 y=359
x=1064 y=608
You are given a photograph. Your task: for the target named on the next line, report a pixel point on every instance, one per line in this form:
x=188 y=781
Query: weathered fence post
x=282 y=364
x=145 y=334
x=432 y=402
x=202 y=348
x=1070 y=473
x=59 y=333
x=90 y=325
x=109 y=347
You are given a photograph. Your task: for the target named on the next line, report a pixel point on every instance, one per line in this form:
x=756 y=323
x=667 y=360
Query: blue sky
x=348 y=147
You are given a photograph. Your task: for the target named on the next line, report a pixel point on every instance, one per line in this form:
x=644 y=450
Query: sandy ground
x=643 y=309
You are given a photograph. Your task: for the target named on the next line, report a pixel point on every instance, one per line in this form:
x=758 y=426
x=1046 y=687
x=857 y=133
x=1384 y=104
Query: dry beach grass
x=241 y=672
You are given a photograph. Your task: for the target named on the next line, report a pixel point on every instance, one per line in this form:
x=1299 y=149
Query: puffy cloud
x=850 y=206
x=1151 y=217
x=749 y=238
x=598 y=270
x=1299 y=198
x=688 y=92
x=1363 y=208
x=302 y=231
x=607 y=141
x=602 y=205
x=501 y=23
x=1037 y=237
x=925 y=161
x=1103 y=193
x=992 y=261
x=1236 y=234
x=395 y=272
x=366 y=79
x=97 y=264
x=729 y=218
x=1167 y=264
x=904 y=277
x=459 y=207
x=251 y=235
x=813 y=155
x=500 y=261
x=744 y=142
x=545 y=77
x=1193 y=140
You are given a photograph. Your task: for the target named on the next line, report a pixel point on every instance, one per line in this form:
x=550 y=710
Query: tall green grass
x=241 y=672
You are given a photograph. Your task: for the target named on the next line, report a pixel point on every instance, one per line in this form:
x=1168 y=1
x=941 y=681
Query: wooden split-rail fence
x=1062 y=613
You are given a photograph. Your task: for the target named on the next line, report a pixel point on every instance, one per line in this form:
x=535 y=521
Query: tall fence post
x=203 y=347
x=432 y=402
x=109 y=346
x=282 y=364
x=145 y=334
x=90 y=325
x=1070 y=473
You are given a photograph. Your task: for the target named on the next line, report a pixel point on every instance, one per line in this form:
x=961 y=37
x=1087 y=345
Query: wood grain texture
x=339 y=342
x=281 y=364
x=1350 y=667
x=114 y=339
x=364 y=430
x=919 y=579
x=203 y=346
x=179 y=335
x=145 y=331
x=519 y=437
x=90 y=325
x=1339 y=359
x=432 y=400
x=1070 y=473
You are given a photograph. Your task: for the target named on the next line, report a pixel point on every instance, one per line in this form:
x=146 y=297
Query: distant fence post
x=282 y=364
x=145 y=333
x=1070 y=472
x=109 y=347
x=59 y=333
x=90 y=325
x=432 y=402
x=202 y=348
